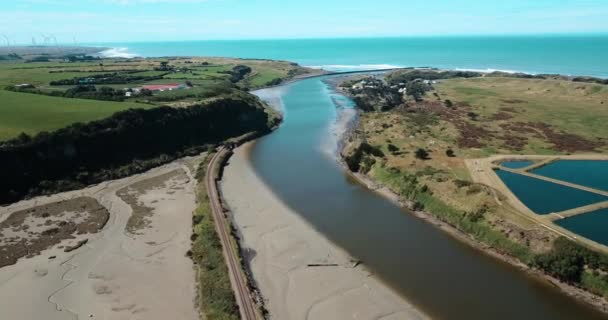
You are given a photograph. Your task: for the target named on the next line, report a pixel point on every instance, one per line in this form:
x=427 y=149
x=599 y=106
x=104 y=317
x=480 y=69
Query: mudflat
x=299 y=272
x=116 y=250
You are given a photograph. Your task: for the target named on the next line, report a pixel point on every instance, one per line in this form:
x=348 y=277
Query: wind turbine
x=8 y=41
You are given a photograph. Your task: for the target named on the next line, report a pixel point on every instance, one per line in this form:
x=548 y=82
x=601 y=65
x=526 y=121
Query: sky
x=89 y=21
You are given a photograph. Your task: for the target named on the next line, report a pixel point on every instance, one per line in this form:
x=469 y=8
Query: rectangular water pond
x=516 y=164
x=588 y=173
x=544 y=197
x=592 y=225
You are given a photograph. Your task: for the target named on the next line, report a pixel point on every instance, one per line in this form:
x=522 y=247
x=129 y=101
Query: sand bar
x=283 y=246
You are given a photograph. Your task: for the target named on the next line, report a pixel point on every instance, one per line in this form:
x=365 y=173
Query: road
x=238 y=280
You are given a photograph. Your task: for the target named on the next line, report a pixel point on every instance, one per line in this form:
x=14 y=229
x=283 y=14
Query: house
x=164 y=87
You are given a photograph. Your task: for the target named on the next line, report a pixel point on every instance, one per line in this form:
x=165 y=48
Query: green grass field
x=578 y=108
x=31 y=113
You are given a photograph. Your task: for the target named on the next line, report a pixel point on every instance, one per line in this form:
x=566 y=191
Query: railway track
x=238 y=280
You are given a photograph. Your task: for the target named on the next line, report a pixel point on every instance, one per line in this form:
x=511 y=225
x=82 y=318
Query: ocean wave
x=359 y=67
x=492 y=70
x=118 y=53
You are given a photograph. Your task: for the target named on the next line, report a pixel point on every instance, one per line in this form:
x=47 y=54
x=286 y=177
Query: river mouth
x=445 y=278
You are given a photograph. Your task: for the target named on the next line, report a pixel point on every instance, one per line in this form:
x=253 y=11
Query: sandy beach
x=135 y=267
x=284 y=246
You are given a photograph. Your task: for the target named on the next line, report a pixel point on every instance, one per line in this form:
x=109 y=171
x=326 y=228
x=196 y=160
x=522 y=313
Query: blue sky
x=145 y=20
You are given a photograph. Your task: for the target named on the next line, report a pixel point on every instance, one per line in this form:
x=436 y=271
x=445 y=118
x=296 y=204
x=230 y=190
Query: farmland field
x=51 y=99
x=32 y=113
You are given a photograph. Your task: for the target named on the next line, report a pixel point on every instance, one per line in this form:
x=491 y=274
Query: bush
x=392 y=148
x=422 y=154
x=567 y=260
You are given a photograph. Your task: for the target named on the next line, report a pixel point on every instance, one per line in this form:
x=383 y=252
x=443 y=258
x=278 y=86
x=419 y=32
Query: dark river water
x=443 y=277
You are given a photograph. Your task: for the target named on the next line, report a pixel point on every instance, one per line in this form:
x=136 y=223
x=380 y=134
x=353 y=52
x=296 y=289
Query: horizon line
x=471 y=35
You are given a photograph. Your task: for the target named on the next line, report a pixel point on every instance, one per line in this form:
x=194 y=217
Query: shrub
x=392 y=148
x=422 y=154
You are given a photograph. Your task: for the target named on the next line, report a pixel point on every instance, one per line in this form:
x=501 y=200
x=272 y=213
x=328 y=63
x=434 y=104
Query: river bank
x=454 y=231
x=296 y=271
x=406 y=253
x=575 y=292
x=299 y=272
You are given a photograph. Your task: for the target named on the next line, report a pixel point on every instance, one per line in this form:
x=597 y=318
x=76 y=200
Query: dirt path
x=140 y=272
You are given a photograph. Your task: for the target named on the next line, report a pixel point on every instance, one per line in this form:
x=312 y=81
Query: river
x=442 y=276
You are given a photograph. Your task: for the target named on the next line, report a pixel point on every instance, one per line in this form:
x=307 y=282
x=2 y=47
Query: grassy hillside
x=577 y=108
x=419 y=144
x=459 y=119
x=53 y=103
x=32 y=113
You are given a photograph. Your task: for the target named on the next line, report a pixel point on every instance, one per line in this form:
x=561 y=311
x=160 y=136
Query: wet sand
x=301 y=274
x=140 y=272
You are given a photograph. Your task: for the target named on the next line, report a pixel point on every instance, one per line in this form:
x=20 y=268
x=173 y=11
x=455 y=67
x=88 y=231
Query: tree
x=416 y=89
x=164 y=65
x=422 y=154
x=392 y=148
x=24 y=138
x=145 y=92
x=450 y=153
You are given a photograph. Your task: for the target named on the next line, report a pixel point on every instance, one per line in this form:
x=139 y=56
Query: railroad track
x=238 y=280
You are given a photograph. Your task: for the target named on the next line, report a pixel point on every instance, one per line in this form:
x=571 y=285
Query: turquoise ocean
x=568 y=55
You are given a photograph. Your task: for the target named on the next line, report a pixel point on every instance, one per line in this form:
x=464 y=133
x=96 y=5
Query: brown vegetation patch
x=565 y=142
x=140 y=217
x=537 y=239
x=28 y=232
x=513 y=101
x=471 y=135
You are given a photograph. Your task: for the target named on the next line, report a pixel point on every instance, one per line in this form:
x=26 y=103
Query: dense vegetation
x=125 y=143
x=568 y=261
x=107 y=78
x=410 y=75
x=79 y=91
x=238 y=73
x=215 y=296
